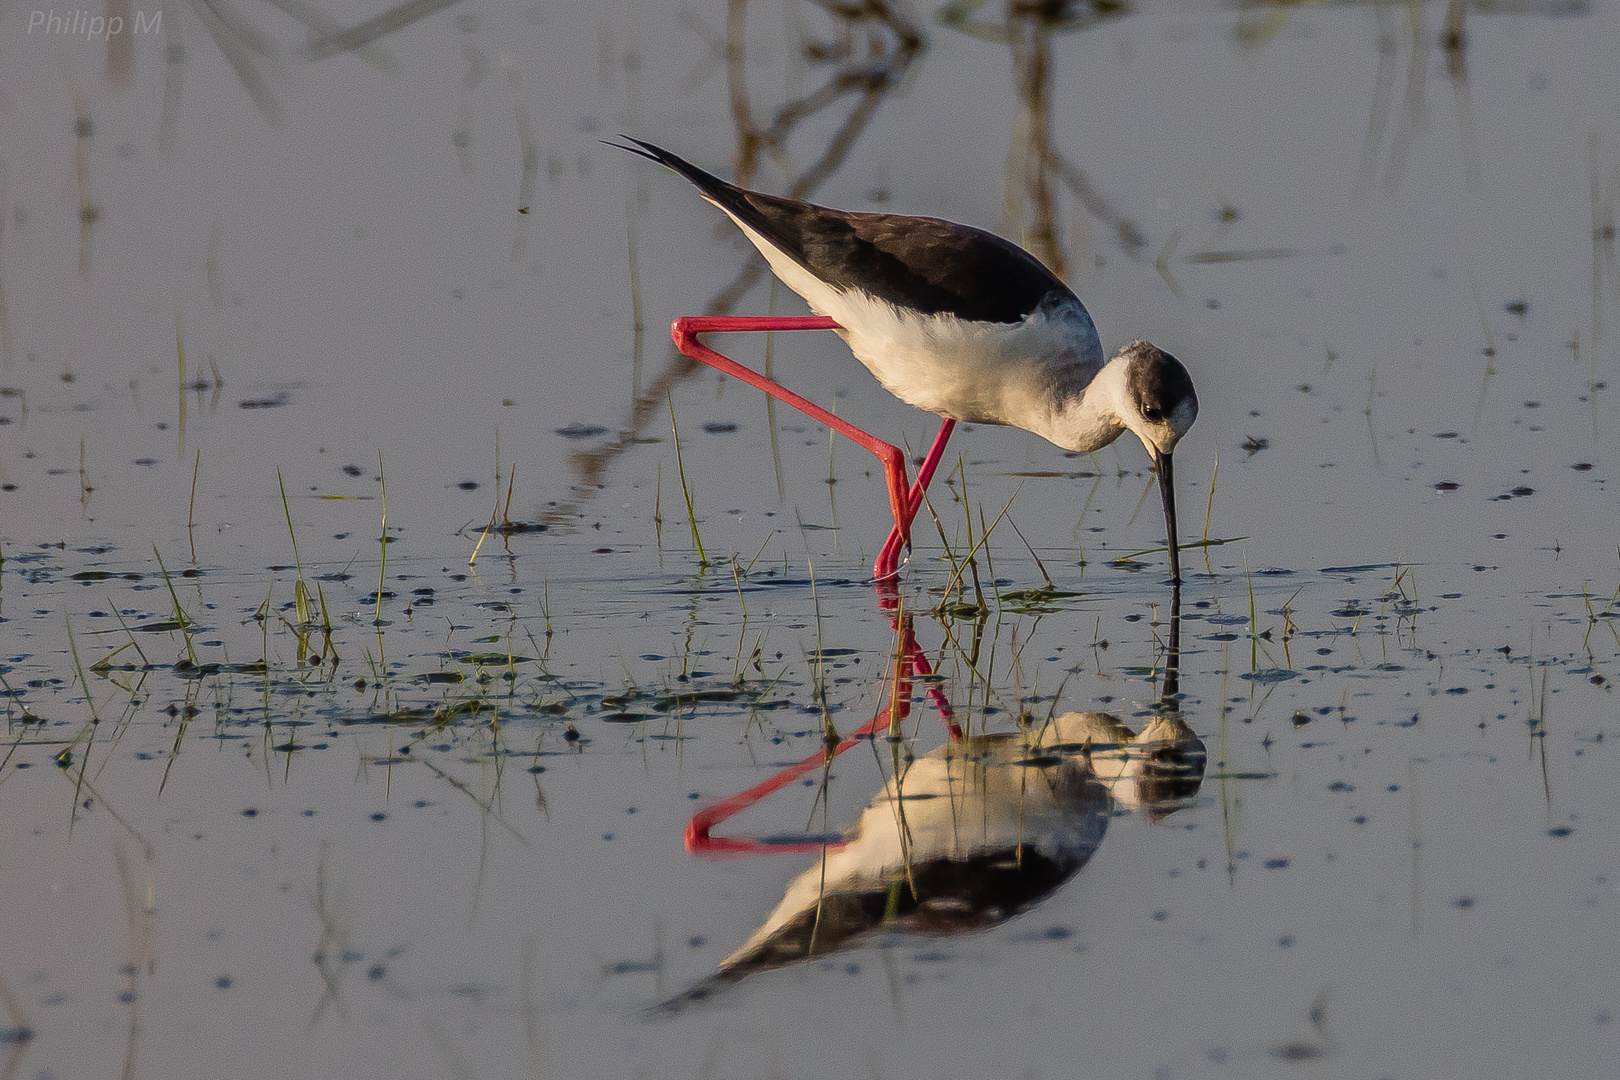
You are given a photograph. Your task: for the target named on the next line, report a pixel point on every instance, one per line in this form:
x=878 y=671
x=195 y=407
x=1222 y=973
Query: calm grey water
x=444 y=832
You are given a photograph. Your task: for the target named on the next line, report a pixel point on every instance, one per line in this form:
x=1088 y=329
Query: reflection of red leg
x=902 y=503
x=909 y=657
x=936 y=696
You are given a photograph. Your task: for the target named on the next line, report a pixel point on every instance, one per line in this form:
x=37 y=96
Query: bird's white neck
x=1094 y=417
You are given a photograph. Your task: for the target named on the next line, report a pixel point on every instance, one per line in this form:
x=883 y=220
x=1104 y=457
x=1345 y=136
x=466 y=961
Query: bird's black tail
x=782 y=223
x=711 y=185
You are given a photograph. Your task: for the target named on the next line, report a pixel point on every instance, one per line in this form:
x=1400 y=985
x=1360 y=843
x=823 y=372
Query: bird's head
x=1155 y=399
x=1158 y=402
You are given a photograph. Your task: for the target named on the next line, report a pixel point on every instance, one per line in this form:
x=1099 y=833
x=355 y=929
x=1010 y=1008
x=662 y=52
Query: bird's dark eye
x=1153 y=414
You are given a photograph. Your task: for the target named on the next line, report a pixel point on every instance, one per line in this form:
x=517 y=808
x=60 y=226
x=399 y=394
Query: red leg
x=888 y=561
x=685 y=331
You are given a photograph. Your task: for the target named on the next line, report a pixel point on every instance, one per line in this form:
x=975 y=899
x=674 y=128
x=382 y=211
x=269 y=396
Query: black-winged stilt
x=953 y=320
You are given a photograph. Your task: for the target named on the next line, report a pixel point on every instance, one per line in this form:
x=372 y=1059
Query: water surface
x=1354 y=822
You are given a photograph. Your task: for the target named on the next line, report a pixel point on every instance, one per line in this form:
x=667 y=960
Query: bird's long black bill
x=1167 y=489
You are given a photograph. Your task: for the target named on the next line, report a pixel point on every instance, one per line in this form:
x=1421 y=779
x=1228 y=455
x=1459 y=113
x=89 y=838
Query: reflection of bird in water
x=962 y=323
x=972 y=834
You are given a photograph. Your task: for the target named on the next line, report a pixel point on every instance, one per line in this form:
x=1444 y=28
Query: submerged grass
x=968 y=562
x=300 y=589
x=495 y=511
x=686 y=489
x=382 y=559
x=191 y=509
x=1254 y=629
x=180 y=353
x=1209 y=505
x=78 y=668
x=1045 y=577
x=132 y=641
x=182 y=621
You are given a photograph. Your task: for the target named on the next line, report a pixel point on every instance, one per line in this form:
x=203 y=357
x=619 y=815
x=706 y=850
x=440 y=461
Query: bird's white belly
x=956 y=369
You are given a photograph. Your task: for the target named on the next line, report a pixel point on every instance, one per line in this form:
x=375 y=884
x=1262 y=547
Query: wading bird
x=953 y=320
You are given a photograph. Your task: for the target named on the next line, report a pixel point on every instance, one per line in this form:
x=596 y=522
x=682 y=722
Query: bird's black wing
x=928 y=265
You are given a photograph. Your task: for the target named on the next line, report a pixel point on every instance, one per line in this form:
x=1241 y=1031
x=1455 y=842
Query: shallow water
x=446 y=832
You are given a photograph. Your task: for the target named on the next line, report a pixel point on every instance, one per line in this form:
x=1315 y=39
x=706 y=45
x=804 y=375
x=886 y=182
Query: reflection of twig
x=1130 y=235
x=372 y=29
x=1454 y=39
x=1603 y=233
x=174 y=55
x=1162 y=263
x=329 y=950
x=140 y=914
x=5 y=323
x=1416 y=76
x=872 y=77
x=235 y=39
x=1378 y=113
x=742 y=162
x=120 y=50
x=1031 y=42
x=1372 y=390
x=531 y=159
x=241 y=30
x=694 y=79
x=1034 y=160
x=531 y=1009
x=483 y=805
x=89 y=212
x=322 y=25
